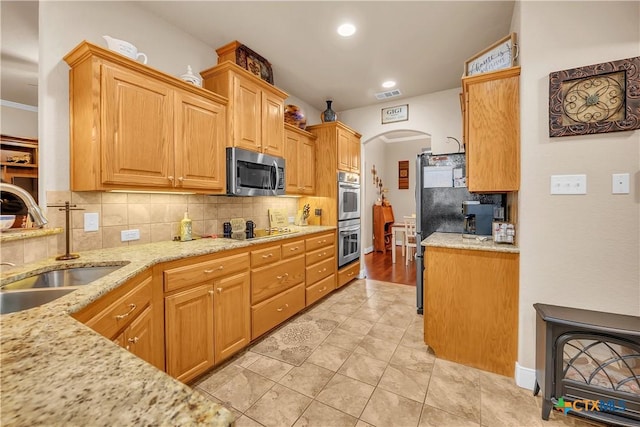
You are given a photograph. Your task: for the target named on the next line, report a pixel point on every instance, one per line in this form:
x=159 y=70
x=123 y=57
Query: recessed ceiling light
x=346 y=30
x=388 y=84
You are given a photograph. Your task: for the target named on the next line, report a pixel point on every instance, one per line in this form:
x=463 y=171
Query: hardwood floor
x=378 y=266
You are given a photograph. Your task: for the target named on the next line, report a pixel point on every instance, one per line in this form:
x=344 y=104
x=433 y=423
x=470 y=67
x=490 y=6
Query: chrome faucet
x=35 y=213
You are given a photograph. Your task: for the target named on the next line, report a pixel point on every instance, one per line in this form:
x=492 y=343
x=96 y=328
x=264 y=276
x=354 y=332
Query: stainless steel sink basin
x=21 y=300
x=45 y=287
x=62 y=278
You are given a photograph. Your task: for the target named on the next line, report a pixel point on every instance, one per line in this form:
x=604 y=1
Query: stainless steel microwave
x=254 y=174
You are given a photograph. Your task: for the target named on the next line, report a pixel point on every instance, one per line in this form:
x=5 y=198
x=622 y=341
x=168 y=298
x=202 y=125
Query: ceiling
x=422 y=45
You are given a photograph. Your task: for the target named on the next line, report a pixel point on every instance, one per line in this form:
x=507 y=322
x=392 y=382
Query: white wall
x=63 y=25
x=579 y=251
x=19 y=122
x=375 y=152
x=403 y=201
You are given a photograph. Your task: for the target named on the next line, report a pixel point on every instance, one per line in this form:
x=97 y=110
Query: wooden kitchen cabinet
x=471 y=307
x=348 y=151
x=130 y=315
x=491 y=128
x=133 y=127
x=320 y=267
x=207 y=312
x=300 y=157
x=256 y=108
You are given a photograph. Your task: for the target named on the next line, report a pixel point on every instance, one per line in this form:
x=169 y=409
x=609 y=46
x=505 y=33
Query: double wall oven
x=348 y=218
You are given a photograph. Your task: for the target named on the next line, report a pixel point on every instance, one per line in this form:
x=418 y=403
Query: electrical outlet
x=128 y=235
x=620 y=183
x=568 y=184
x=91 y=221
x=318 y=212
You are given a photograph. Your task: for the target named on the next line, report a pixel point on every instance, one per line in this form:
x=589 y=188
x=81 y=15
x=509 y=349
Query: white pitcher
x=125 y=48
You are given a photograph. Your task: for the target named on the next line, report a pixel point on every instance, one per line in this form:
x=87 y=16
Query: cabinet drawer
x=188 y=275
x=270 y=313
x=320 y=289
x=292 y=249
x=321 y=270
x=272 y=279
x=348 y=273
x=121 y=312
x=265 y=256
x=320 y=254
x=321 y=241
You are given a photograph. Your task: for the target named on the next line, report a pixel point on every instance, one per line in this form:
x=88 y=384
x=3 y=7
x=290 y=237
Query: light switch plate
x=568 y=184
x=91 y=221
x=128 y=235
x=620 y=183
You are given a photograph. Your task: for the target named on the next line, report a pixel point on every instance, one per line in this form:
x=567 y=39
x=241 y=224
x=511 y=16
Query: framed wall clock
x=598 y=98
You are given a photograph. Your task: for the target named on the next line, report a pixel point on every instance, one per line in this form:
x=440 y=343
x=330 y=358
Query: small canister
x=250 y=226
x=226 y=230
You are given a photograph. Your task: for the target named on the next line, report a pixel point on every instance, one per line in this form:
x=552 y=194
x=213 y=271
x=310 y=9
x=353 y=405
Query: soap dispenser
x=185 y=228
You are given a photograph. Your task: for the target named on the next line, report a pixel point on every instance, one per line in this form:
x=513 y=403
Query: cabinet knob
x=170 y=178
x=133 y=340
x=132 y=307
x=219 y=290
x=180 y=178
x=210 y=292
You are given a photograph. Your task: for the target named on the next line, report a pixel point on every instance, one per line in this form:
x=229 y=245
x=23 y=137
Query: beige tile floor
x=358 y=358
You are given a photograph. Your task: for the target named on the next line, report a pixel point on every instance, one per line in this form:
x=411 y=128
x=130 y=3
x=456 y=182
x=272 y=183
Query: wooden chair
x=409 y=237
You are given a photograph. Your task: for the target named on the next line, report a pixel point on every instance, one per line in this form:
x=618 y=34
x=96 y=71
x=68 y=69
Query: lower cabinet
x=320 y=268
x=270 y=313
x=348 y=273
x=131 y=316
x=207 y=319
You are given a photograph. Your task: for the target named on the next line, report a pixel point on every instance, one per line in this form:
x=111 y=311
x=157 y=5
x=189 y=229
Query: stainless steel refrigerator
x=439 y=202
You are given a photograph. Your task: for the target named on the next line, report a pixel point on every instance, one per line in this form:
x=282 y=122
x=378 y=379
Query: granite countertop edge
x=456 y=241
x=14 y=234
x=87 y=379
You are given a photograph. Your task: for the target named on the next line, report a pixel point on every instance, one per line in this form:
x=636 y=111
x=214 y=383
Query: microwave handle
x=274 y=186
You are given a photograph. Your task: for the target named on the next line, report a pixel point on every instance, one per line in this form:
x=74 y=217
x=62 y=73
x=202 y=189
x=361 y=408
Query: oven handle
x=349 y=230
x=355 y=187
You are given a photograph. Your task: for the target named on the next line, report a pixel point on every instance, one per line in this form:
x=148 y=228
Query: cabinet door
x=492 y=129
x=138 y=337
x=137 y=130
x=199 y=143
x=247 y=118
x=354 y=154
x=232 y=315
x=291 y=148
x=344 y=151
x=272 y=125
x=189 y=332
x=307 y=166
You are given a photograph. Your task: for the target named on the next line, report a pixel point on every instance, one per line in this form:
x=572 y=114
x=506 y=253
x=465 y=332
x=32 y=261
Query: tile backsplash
x=157 y=216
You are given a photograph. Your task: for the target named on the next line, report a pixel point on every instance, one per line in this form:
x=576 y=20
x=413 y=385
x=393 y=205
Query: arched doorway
x=385 y=151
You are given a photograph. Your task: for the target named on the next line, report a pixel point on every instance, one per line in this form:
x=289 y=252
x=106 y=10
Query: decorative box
x=241 y=55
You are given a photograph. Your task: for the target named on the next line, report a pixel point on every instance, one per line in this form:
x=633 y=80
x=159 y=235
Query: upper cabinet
x=300 y=157
x=343 y=144
x=348 y=151
x=256 y=108
x=491 y=120
x=133 y=127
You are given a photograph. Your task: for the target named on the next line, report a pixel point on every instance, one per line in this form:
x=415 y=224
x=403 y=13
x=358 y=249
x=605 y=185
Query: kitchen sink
x=77 y=276
x=21 y=300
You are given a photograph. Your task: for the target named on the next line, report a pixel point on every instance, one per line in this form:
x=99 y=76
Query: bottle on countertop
x=185 y=228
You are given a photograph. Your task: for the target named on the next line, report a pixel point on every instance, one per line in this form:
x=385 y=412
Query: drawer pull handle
x=282 y=308
x=351 y=274
x=294 y=249
x=267 y=256
x=322 y=254
x=284 y=276
x=211 y=270
x=323 y=270
x=323 y=289
x=133 y=340
x=132 y=308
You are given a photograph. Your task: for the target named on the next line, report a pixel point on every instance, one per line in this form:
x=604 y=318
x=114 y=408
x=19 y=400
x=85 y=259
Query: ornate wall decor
x=403 y=174
x=597 y=98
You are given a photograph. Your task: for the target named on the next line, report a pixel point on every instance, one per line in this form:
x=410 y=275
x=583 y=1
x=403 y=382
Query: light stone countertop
x=456 y=241
x=21 y=234
x=56 y=371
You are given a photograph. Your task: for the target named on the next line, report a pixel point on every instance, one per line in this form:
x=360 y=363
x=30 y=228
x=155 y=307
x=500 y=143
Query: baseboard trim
x=368 y=250
x=525 y=377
